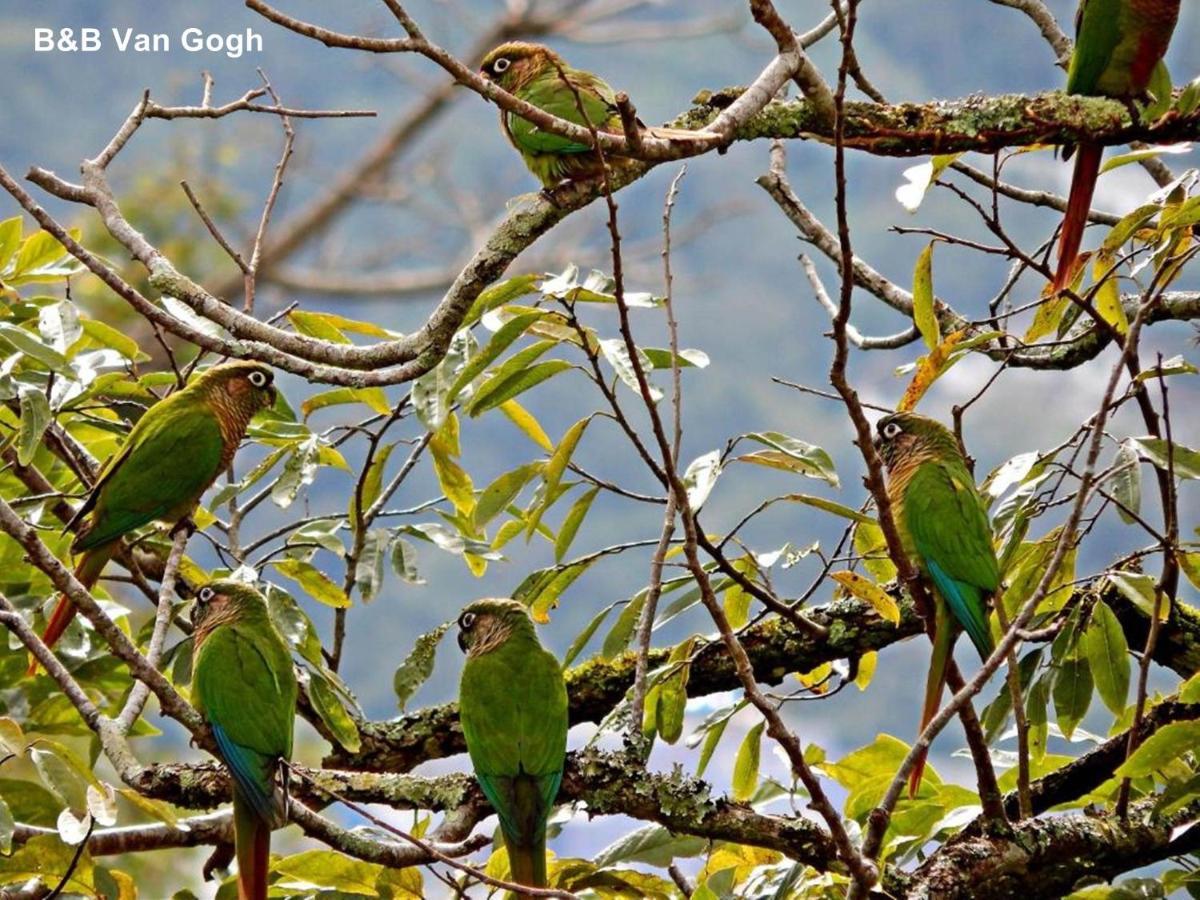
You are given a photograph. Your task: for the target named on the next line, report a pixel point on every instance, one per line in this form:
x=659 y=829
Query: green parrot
x=512 y=704
x=172 y=456
x=944 y=527
x=244 y=685
x=1118 y=44
x=531 y=72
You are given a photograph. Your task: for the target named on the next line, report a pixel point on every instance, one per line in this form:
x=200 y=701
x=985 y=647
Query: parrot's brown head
x=220 y=602
x=907 y=436
x=515 y=63
x=486 y=624
x=245 y=385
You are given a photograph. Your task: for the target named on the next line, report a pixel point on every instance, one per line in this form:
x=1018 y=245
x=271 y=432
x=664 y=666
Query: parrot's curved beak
x=462 y=641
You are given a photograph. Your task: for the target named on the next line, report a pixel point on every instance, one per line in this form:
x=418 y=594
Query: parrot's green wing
x=950 y=530
x=516 y=727
x=171 y=457
x=1097 y=34
x=245 y=686
x=548 y=92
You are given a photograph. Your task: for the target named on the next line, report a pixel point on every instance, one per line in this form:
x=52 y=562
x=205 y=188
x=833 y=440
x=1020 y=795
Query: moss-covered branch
x=1050 y=857
x=776 y=648
x=606 y=783
x=980 y=123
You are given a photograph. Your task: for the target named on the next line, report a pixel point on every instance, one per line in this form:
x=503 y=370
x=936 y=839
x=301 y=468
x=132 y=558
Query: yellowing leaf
x=1107 y=298
x=519 y=416
x=316 y=583
x=929 y=369
x=745 y=765
x=924 y=314
x=870 y=593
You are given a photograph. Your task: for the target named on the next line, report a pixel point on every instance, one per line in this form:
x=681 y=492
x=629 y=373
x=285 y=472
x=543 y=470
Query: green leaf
x=404 y=561
x=652 y=845
x=661 y=358
x=830 y=506
x=1128 y=226
x=431 y=391
x=795 y=455
x=107 y=336
x=561 y=458
x=23 y=341
x=1108 y=655
x=499 y=294
x=619 y=635
x=333 y=712
x=1176 y=365
x=314 y=870
x=418 y=665
x=541 y=590
x=924 y=314
x=1140 y=590
x=368 y=567
x=581 y=639
x=10 y=239
x=1127 y=482
x=1184 y=460
x=1164 y=746
x=493 y=393
x=372 y=483
x=316 y=583
x=745 y=764
x=372 y=397
x=1072 y=692
x=501 y=340
x=570 y=526
x=616 y=353
x=1124 y=159
x=35 y=418
x=502 y=491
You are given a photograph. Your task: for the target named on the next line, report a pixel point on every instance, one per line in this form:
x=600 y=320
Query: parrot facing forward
x=535 y=73
x=512 y=704
x=244 y=684
x=172 y=456
x=1118 y=44
x=945 y=531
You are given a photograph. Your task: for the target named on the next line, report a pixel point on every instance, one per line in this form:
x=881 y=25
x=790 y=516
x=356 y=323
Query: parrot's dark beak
x=462 y=641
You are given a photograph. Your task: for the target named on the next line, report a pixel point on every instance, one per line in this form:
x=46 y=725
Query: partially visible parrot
x=172 y=456
x=1118 y=44
x=512 y=704
x=531 y=72
x=944 y=527
x=244 y=684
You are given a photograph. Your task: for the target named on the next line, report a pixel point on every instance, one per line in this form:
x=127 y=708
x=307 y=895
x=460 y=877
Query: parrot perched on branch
x=1118 y=44
x=172 y=456
x=244 y=684
x=535 y=73
x=944 y=528
x=512 y=704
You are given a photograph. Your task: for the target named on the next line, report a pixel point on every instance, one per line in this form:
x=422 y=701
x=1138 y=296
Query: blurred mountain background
x=740 y=293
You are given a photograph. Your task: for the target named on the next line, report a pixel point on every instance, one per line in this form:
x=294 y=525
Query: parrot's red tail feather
x=87 y=573
x=1079 y=204
x=933 y=700
x=254 y=862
